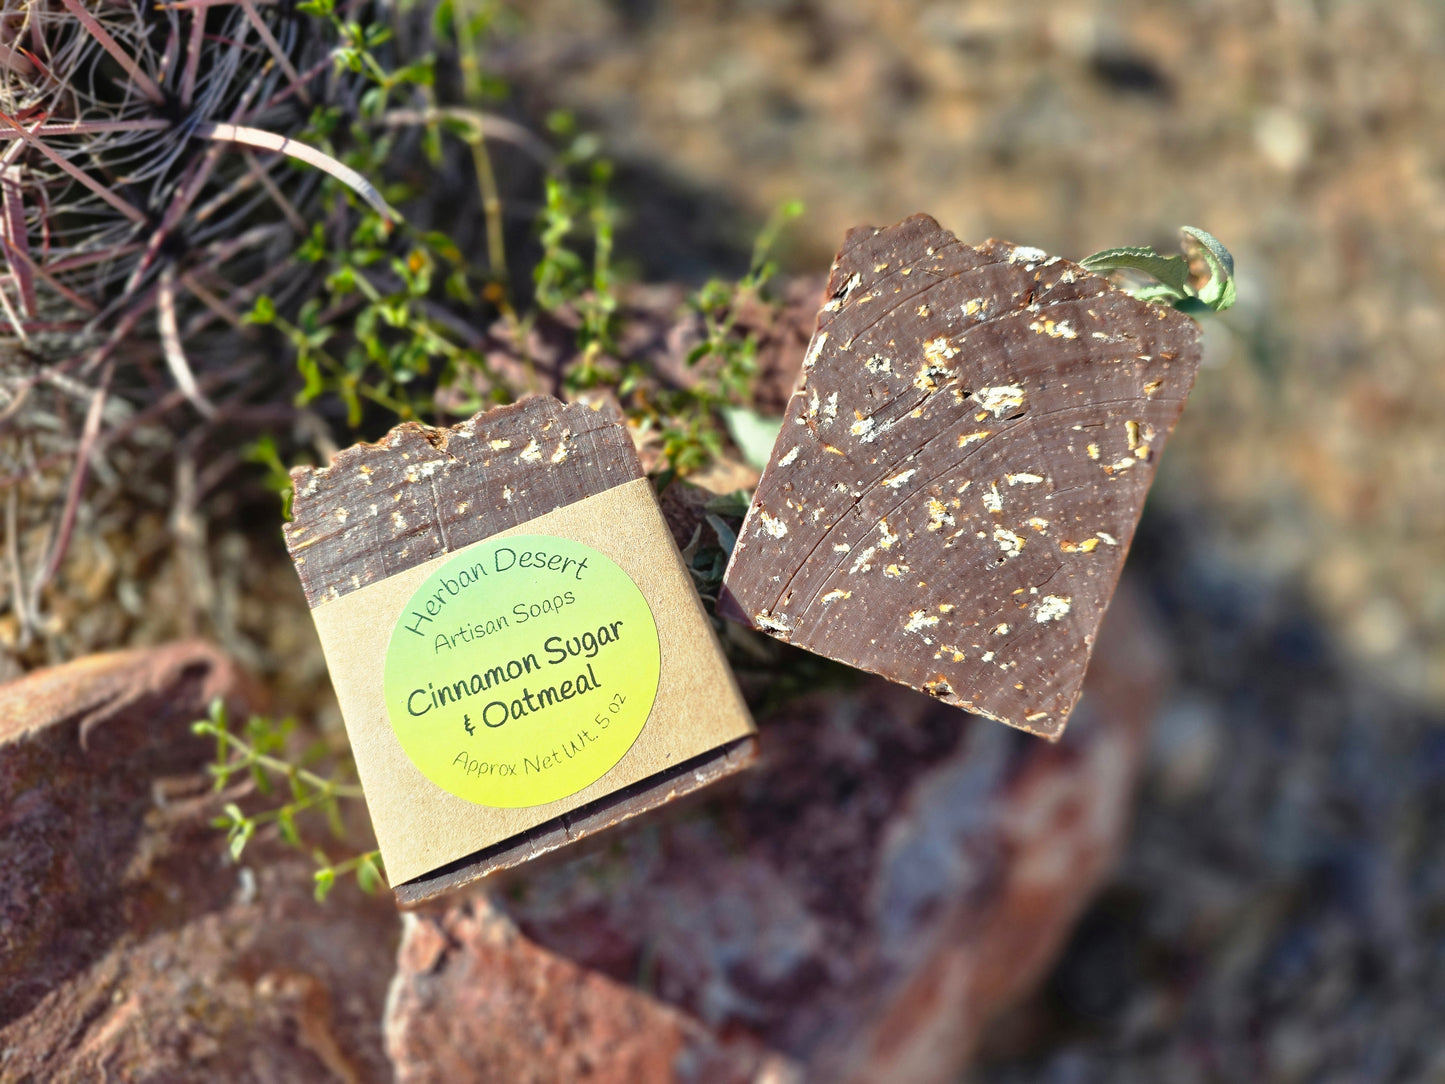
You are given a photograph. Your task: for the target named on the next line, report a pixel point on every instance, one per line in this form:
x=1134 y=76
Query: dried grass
x=145 y=201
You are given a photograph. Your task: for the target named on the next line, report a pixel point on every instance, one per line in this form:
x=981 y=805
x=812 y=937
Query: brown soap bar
x=381 y=509
x=543 y=455
x=961 y=469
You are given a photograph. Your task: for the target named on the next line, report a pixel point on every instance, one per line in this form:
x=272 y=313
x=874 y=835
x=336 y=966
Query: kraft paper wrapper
x=419 y=826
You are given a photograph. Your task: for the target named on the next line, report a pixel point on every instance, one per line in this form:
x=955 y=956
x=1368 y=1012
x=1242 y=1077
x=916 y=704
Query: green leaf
x=753 y=433
x=1174 y=275
x=1172 y=271
x=286 y=821
x=241 y=835
x=443 y=246
x=325 y=881
x=456 y=287
x=373 y=102
x=726 y=536
x=311 y=374
x=1218 y=292
x=341 y=281
x=263 y=311
x=313 y=249
x=761 y=268
x=261 y=779
x=368 y=877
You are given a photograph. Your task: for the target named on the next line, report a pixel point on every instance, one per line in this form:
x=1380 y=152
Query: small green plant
x=690 y=420
x=376 y=329
x=1200 y=279
x=258 y=749
x=577 y=227
x=730 y=361
x=575 y=277
x=264 y=453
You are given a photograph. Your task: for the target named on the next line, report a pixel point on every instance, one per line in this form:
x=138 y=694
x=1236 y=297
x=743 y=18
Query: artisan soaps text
x=503 y=560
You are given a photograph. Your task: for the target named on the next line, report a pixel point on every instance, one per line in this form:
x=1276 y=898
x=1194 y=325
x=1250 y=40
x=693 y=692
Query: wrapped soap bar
x=520 y=656
x=961 y=469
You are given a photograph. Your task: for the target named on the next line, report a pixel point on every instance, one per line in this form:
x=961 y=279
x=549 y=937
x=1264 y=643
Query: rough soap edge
x=306 y=480
x=620 y=807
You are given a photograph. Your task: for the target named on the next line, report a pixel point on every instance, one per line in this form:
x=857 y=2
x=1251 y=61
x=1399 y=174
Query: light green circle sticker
x=522 y=670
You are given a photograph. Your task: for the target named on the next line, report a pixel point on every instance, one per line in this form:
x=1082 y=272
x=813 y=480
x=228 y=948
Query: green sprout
x=256 y=750
x=692 y=419
x=1177 y=279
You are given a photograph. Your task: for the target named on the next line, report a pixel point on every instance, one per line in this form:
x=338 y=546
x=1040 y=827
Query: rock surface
x=81 y=747
x=130 y=947
x=476 y=1000
x=891 y=877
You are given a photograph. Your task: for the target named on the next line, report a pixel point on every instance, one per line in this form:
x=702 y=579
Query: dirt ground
x=1279 y=911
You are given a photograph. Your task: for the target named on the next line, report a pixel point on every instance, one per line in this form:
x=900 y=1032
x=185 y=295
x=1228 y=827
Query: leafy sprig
x=577 y=227
x=257 y=750
x=376 y=331
x=1201 y=278
x=692 y=419
x=732 y=361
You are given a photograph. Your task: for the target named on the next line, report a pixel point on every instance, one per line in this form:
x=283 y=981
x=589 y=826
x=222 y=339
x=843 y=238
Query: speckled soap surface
x=961 y=469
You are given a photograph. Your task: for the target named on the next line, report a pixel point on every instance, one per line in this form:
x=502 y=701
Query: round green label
x=522 y=670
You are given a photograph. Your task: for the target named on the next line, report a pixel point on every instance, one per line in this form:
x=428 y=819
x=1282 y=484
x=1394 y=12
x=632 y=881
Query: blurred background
x=1278 y=909
x=1278 y=905
x=1277 y=913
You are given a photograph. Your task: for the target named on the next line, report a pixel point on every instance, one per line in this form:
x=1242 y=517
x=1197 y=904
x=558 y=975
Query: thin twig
x=92 y=127
x=16 y=61
x=175 y=354
x=110 y=45
x=17 y=573
x=77 y=486
x=482 y=125
x=85 y=259
x=172 y=51
x=16 y=256
x=79 y=174
x=210 y=300
x=203 y=5
x=274 y=47
x=14 y=317
x=285 y=92
x=18 y=238
x=193 y=57
x=278 y=197
x=140 y=304
x=271 y=141
x=328 y=788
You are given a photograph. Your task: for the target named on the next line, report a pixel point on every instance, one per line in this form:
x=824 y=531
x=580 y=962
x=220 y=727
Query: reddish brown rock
x=81 y=748
x=892 y=877
x=131 y=948
x=475 y=1000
